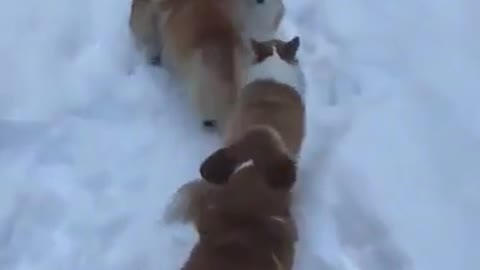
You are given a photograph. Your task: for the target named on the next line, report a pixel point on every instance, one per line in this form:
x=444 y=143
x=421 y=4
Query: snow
x=93 y=142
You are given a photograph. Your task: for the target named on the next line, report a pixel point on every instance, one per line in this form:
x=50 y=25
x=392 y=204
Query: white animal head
x=258 y=19
x=277 y=60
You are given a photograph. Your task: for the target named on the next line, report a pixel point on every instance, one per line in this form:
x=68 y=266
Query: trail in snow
x=93 y=142
x=398 y=187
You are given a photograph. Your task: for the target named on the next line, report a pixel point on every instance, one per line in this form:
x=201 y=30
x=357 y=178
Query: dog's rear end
x=243 y=225
x=203 y=43
x=245 y=222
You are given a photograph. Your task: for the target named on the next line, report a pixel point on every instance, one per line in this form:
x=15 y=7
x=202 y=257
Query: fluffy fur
x=242 y=211
x=203 y=43
x=245 y=224
x=276 y=69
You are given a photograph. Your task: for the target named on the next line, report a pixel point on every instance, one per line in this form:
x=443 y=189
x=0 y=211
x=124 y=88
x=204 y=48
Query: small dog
x=203 y=43
x=246 y=223
x=272 y=96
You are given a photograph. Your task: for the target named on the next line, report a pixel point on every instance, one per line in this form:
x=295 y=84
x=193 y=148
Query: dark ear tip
x=209 y=123
x=296 y=40
x=217 y=168
x=281 y=174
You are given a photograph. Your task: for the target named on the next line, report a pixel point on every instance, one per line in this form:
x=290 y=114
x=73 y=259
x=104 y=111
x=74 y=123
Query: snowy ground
x=93 y=141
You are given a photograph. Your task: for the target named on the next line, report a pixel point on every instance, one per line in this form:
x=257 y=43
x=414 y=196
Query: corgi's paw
x=209 y=123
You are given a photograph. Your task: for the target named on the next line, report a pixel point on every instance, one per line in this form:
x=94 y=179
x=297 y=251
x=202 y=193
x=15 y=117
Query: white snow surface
x=93 y=141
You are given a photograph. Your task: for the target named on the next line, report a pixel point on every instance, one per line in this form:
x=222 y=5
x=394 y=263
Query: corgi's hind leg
x=209 y=123
x=201 y=98
x=211 y=96
x=143 y=22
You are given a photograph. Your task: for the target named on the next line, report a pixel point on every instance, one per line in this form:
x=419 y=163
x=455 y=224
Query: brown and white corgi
x=272 y=96
x=204 y=43
x=246 y=223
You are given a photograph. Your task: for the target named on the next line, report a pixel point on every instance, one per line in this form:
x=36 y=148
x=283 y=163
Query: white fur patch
x=244 y=164
x=276 y=69
x=278 y=219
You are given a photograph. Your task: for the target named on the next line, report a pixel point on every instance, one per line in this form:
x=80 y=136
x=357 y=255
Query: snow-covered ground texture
x=93 y=142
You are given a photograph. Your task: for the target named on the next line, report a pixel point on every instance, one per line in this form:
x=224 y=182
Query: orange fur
x=244 y=224
x=203 y=43
x=205 y=50
x=269 y=103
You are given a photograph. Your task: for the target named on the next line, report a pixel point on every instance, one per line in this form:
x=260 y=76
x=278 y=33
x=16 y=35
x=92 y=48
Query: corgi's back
x=272 y=95
x=272 y=104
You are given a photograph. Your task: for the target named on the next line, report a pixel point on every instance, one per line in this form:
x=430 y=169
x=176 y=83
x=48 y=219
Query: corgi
x=246 y=223
x=204 y=43
x=272 y=96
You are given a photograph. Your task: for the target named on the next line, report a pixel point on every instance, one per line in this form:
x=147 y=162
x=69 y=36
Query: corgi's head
x=249 y=221
x=276 y=60
x=262 y=147
x=285 y=50
x=243 y=224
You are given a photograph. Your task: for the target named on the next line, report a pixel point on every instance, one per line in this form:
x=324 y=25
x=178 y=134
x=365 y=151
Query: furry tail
x=261 y=144
x=188 y=202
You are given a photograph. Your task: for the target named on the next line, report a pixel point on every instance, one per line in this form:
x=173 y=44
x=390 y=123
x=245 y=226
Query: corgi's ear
x=266 y=148
x=288 y=50
x=283 y=226
x=218 y=167
x=292 y=46
x=255 y=45
x=280 y=171
x=261 y=144
x=261 y=50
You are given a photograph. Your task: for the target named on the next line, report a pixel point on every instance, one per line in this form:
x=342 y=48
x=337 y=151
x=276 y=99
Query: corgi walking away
x=203 y=43
x=272 y=96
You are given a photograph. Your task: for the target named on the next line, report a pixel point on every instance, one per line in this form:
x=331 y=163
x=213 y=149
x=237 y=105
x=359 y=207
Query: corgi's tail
x=188 y=202
x=260 y=144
